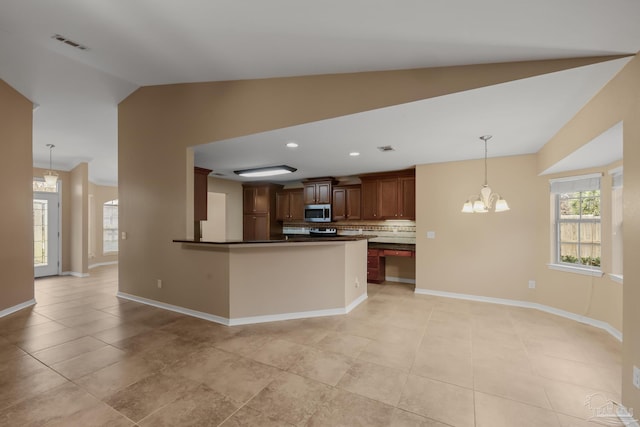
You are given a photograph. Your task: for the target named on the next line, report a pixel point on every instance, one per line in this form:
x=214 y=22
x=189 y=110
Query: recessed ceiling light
x=292 y=144
x=354 y=154
x=265 y=171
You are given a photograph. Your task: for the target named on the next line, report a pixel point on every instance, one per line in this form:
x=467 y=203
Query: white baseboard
x=626 y=417
x=244 y=320
x=100 y=264
x=526 y=304
x=74 y=274
x=176 y=308
x=356 y=302
x=399 y=279
x=17 y=307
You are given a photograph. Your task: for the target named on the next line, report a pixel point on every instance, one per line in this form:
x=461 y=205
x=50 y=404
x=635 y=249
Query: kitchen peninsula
x=262 y=281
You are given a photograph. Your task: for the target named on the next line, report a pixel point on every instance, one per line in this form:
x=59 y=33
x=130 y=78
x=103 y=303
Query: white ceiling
x=150 y=42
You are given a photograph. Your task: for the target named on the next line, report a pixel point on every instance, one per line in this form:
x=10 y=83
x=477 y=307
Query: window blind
x=576 y=183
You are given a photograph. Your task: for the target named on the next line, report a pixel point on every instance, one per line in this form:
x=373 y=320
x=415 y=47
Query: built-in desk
x=376 y=253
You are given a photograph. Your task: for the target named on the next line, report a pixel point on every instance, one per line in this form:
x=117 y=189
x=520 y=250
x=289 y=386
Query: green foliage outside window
x=578 y=230
x=595 y=262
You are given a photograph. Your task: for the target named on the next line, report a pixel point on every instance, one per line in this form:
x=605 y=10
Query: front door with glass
x=46 y=235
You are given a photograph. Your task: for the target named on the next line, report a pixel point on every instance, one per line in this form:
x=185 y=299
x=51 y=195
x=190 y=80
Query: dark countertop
x=305 y=239
x=393 y=246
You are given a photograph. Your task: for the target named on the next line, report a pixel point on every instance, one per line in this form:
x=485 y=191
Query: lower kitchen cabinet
x=375 y=266
x=255 y=227
x=403 y=253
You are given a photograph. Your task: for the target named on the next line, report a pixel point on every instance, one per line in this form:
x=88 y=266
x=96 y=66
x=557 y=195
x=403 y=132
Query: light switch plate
x=431 y=234
x=636 y=377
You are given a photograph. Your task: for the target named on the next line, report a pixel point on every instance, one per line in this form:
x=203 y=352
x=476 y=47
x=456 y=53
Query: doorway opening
x=46 y=229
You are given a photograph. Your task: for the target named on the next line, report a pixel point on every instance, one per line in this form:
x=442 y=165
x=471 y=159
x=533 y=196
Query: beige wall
x=98 y=195
x=16 y=226
x=486 y=255
x=400 y=267
x=262 y=276
x=79 y=186
x=619 y=100
x=233 y=191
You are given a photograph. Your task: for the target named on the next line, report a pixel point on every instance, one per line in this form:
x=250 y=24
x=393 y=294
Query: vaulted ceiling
x=148 y=42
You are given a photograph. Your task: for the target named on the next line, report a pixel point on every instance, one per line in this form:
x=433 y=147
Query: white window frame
x=109 y=203
x=616 y=224
x=590 y=182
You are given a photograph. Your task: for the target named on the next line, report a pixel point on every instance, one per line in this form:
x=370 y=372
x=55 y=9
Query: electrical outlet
x=124 y=235
x=532 y=284
x=636 y=377
x=159 y=284
x=357 y=283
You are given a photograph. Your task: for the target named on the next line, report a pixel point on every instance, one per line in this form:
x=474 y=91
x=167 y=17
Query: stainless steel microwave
x=317 y=213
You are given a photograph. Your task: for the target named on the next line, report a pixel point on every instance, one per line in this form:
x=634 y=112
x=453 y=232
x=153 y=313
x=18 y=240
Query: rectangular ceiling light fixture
x=265 y=171
x=63 y=39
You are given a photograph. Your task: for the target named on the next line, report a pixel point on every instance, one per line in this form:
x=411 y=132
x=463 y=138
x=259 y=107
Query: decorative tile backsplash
x=386 y=231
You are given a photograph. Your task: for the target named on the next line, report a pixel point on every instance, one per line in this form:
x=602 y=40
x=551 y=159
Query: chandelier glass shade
x=50 y=176
x=487 y=199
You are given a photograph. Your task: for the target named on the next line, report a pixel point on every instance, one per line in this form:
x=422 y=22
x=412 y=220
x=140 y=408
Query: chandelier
x=50 y=176
x=484 y=201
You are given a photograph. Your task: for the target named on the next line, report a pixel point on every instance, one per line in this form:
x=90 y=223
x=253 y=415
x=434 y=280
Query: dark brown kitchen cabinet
x=375 y=266
x=259 y=211
x=200 y=190
x=346 y=202
x=256 y=199
x=255 y=227
x=389 y=195
x=318 y=191
x=290 y=205
x=369 y=204
x=407 y=197
x=400 y=253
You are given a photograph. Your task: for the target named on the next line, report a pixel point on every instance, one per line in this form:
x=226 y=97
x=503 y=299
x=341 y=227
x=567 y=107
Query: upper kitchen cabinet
x=200 y=189
x=318 y=191
x=258 y=198
x=389 y=195
x=346 y=202
x=369 y=205
x=290 y=205
x=259 y=208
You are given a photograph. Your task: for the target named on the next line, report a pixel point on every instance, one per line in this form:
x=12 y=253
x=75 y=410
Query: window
x=577 y=221
x=616 y=222
x=110 y=226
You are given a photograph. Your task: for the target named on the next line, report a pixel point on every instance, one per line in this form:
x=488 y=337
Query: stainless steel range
x=322 y=232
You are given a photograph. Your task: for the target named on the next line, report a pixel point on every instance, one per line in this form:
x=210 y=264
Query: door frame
x=58 y=198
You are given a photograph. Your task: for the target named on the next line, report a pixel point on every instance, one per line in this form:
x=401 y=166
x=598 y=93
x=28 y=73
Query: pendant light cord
x=51 y=146
x=485 y=138
x=485 y=163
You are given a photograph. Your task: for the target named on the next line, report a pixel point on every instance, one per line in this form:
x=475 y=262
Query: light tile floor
x=82 y=357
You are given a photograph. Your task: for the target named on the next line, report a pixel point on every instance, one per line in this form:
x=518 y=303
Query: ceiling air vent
x=218 y=174
x=386 y=148
x=63 y=39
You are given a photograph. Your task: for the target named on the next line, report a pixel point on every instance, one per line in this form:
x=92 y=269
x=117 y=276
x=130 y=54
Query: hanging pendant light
x=484 y=201
x=50 y=177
